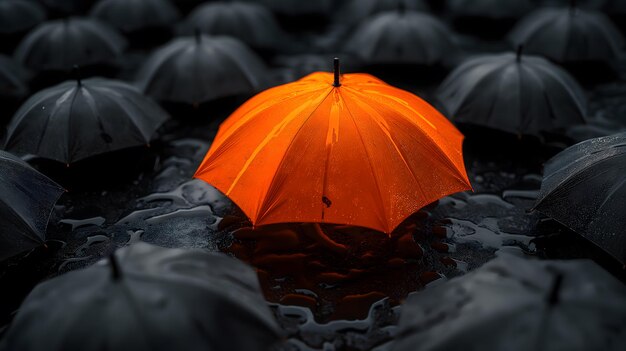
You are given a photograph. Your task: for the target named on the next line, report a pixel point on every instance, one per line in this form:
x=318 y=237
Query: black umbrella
x=198 y=69
x=13 y=79
x=68 y=7
x=401 y=37
x=513 y=93
x=518 y=304
x=17 y=16
x=133 y=15
x=62 y=44
x=78 y=119
x=27 y=198
x=615 y=6
x=584 y=188
x=495 y=9
x=568 y=35
x=148 y=298
x=357 y=10
x=297 y=7
x=251 y=23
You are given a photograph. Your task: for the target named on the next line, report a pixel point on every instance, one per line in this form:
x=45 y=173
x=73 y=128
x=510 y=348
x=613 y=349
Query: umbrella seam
x=259 y=216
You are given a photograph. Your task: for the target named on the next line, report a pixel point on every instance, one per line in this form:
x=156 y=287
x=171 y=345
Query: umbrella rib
x=400 y=152
x=448 y=163
x=25 y=222
x=611 y=193
x=568 y=178
x=284 y=156
x=69 y=123
x=369 y=159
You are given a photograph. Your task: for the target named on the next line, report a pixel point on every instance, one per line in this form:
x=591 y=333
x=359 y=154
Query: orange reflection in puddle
x=336 y=271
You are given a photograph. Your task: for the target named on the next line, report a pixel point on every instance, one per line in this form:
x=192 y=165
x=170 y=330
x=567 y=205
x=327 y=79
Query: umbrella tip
x=337 y=71
x=553 y=297
x=116 y=272
x=520 y=50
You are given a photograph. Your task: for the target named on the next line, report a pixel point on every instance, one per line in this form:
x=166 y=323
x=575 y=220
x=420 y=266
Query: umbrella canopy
x=496 y=9
x=68 y=7
x=517 y=304
x=148 y=298
x=27 y=200
x=198 y=69
x=584 y=187
x=568 y=35
x=133 y=15
x=62 y=44
x=78 y=119
x=19 y=15
x=355 y=11
x=615 y=6
x=251 y=23
x=13 y=79
x=356 y=152
x=513 y=93
x=401 y=37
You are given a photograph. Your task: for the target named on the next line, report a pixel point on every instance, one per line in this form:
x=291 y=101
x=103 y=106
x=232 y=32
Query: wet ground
x=341 y=292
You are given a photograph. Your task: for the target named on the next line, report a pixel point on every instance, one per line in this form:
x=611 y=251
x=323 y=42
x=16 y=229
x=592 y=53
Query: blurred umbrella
x=356 y=152
x=568 y=35
x=615 y=6
x=198 y=69
x=401 y=37
x=513 y=93
x=133 y=15
x=297 y=7
x=17 y=16
x=27 y=200
x=495 y=9
x=251 y=23
x=76 y=120
x=584 y=188
x=68 y=7
x=517 y=304
x=148 y=298
x=62 y=44
x=355 y=11
x=13 y=79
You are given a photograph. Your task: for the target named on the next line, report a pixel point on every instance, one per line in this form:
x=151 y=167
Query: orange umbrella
x=356 y=151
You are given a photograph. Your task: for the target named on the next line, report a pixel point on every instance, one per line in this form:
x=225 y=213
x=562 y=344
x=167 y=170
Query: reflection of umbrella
x=356 y=152
x=496 y=9
x=27 y=200
x=516 y=94
x=518 y=304
x=13 y=79
x=132 y=15
x=568 y=35
x=357 y=10
x=196 y=70
x=76 y=120
x=251 y=23
x=148 y=298
x=19 y=15
x=584 y=188
x=401 y=37
x=60 y=45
